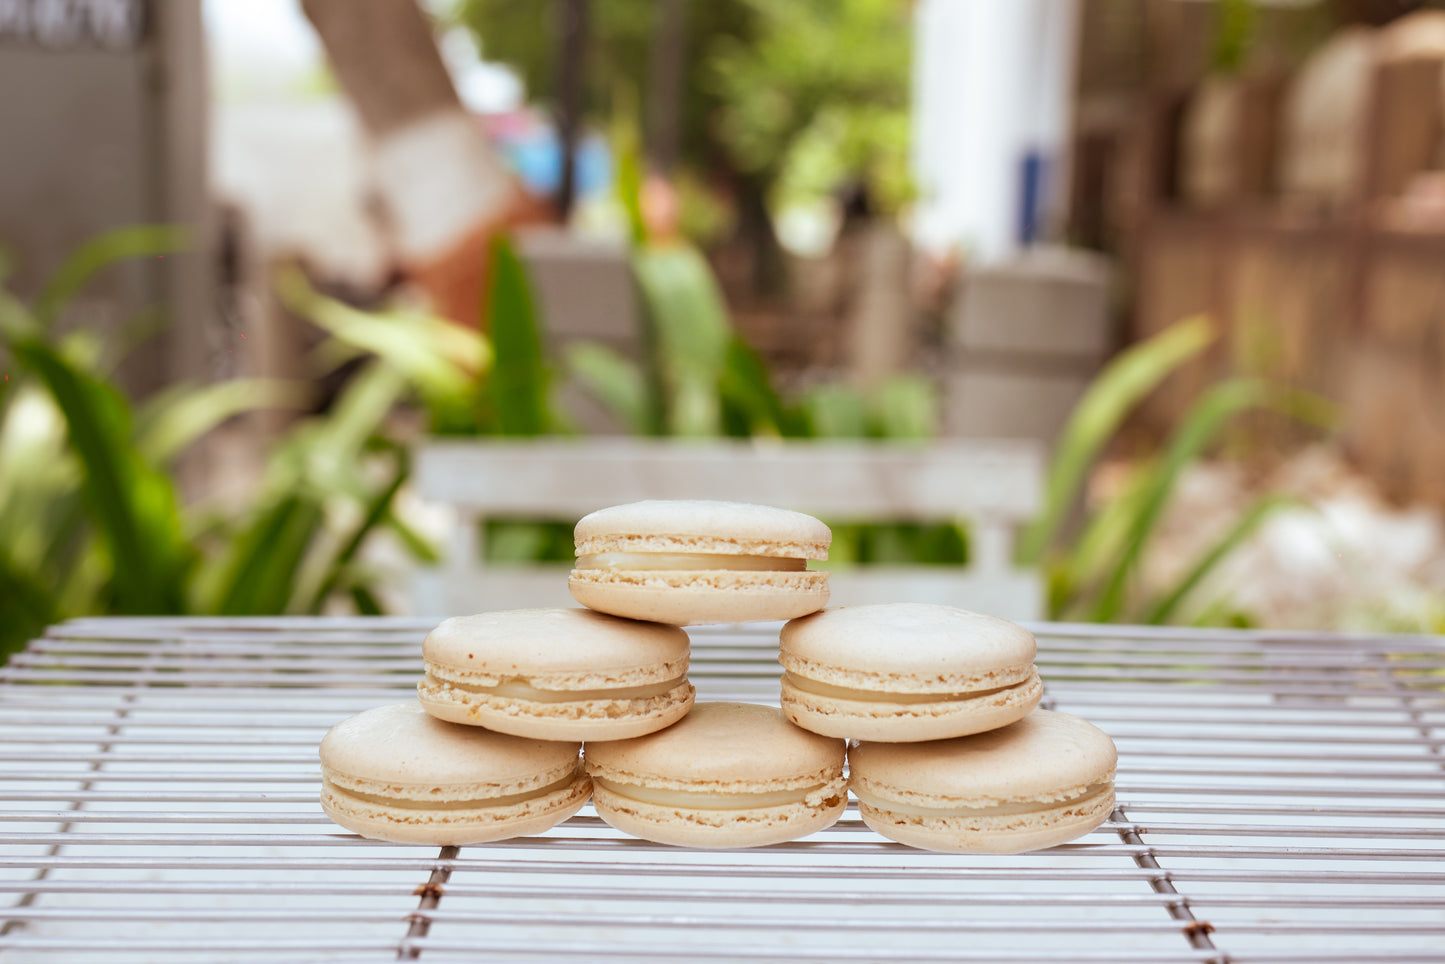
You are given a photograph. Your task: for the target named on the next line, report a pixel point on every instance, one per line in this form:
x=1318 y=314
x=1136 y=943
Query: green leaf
x=944 y=543
x=132 y=503
x=1307 y=407
x=16 y=321
x=326 y=451
x=614 y=381
x=516 y=393
x=137 y=241
x=1243 y=527
x=691 y=335
x=748 y=396
x=442 y=360
x=26 y=608
x=415 y=543
x=375 y=514
x=1124 y=382
x=32 y=439
x=1099 y=546
x=625 y=136
x=1200 y=427
x=42 y=517
x=529 y=540
x=262 y=568
x=176 y=417
x=847 y=547
x=276 y=562
x=836 y=411
x=366 y=602
x=905 y=407
x=71 y=555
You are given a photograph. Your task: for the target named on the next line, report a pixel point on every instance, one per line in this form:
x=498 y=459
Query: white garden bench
x=992 y=486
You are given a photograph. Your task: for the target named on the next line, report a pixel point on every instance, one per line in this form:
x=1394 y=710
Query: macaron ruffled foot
x=556 y=674
x=726 y=775
x=1043 y=781
x=901 y=672
x=396 y=773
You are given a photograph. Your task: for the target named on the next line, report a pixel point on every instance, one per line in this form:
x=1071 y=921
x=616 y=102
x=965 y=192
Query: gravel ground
x=1346 y=559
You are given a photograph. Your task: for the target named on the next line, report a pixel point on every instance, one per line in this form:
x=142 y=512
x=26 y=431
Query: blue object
x=537 y=160
x=1033 y=172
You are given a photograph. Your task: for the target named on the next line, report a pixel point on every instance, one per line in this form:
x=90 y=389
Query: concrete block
x=584 y=287
x=585 y=292
x=1050 y=302
x=991 y=402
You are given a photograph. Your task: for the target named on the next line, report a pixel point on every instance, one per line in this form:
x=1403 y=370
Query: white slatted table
x=1281 y=799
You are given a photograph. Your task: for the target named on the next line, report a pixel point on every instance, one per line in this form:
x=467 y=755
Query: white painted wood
x=963 y=479
x=992 y=485
x=991 y=544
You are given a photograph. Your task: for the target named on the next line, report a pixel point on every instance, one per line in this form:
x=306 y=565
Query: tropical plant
x=91 y=520
x=464 y=383
x=1092 y=573
x=699 y=377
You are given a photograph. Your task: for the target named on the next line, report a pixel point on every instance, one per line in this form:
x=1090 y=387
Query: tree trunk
x=768 y=270
x=665 y=75
x=385 y=57
x=443 y=189
x=569 y=100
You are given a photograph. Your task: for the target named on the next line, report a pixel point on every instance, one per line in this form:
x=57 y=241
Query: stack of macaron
x=524 y=715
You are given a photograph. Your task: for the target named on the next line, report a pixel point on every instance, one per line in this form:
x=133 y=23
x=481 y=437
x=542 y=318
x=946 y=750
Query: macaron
x=1042 y=781
x=901 y=672
x=685 y=562
x=726 y=775
x=397 y=773
x=556 y=674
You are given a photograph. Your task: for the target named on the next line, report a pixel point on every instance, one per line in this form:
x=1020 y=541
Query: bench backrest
x=993 y=486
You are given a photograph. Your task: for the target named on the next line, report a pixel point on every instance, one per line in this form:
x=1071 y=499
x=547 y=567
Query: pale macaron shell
x=688 y=597
x=696 y=525
x=1046 y=758
x=908 y=649
x=556 y=650
x=722 y=748
x=400 y=753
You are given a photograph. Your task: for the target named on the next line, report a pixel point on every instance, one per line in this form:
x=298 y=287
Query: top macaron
x=904 y=672
x=688 y=562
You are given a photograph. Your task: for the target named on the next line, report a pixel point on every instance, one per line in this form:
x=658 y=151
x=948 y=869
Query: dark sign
x=71 y=24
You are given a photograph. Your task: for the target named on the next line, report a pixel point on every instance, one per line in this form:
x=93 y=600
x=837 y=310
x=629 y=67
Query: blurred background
x=254 y=253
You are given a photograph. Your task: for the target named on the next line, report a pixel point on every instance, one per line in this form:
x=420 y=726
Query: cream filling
x=694 y=800
x=519 y=689
x=672 y=561
x=505 y=800
x=880 y=696
x=1003 y=810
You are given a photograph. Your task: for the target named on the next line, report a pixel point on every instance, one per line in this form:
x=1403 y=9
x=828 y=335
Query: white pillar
x=992 y=83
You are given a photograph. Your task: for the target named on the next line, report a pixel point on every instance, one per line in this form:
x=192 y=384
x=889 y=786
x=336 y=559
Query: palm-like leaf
x=1200 y=428
x=134 y=505
x=1124 y=382
x=517 y=391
